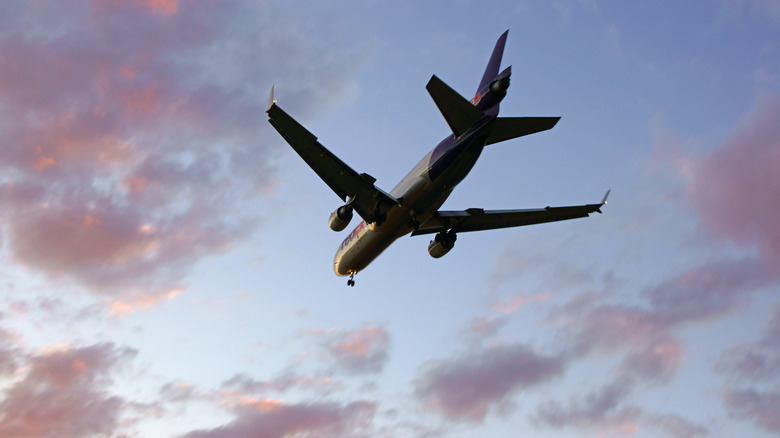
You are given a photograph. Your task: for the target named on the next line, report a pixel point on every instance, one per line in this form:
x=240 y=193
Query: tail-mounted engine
x=340 y=218
x=441 y=244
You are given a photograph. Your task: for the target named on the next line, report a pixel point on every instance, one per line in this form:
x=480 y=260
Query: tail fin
x=459 y=113
x=491 y=71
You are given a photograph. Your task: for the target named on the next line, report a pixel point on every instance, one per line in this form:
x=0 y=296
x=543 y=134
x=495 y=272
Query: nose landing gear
x=351 y=281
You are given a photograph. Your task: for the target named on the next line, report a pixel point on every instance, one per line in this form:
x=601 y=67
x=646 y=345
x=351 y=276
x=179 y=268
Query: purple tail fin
x=491 y=71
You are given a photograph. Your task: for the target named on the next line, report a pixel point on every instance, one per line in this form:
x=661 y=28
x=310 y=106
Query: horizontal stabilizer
x=507 y=128
x=459 y=113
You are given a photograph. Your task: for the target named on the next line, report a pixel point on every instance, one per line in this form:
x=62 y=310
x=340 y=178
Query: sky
x=167 y=265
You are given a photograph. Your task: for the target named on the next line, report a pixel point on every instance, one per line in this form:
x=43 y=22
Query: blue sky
x=167 y=265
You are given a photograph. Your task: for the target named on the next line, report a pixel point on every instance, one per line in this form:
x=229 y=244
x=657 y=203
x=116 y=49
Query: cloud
x=607 y=328
x=273 y=419
x=64 y=393
x=8 y=354
x=286 y=381
x=141 y=300
x=710 y=290
x=360 y=351
x=757 y=360
x=657 y=360
x=677 y=426
x=602 y=409
x=467 y=388
x=736 y=188
x=513 y=303
x=609 y=411
x=134 y=142
x=760 y=407
x=484 y=327
x=178 y=392
x=643 y=336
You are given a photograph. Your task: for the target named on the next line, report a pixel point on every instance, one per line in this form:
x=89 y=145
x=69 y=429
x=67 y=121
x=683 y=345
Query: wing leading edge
x=370 y=202
x=477 y=219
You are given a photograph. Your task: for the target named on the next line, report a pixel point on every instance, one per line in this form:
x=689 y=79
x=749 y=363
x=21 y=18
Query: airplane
x=413 y=205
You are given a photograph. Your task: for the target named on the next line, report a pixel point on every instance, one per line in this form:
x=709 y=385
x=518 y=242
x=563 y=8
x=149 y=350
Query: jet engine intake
x=340 y=218
x=441 y=244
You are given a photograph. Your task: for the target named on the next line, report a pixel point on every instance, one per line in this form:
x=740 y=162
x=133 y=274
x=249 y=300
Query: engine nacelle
x=499 y=87
x=340 y=218
x=441 y=244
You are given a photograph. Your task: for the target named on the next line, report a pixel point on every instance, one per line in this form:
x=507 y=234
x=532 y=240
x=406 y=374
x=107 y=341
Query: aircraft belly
x=363 y=251
x=421 y=201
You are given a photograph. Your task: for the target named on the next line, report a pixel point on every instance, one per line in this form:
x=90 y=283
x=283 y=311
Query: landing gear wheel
x=351 y=281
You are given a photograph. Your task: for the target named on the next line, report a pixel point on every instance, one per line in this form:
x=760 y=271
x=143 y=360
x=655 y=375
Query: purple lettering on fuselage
x=353 y=235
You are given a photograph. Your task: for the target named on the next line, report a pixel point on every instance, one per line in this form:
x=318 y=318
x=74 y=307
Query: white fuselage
x=421 y=198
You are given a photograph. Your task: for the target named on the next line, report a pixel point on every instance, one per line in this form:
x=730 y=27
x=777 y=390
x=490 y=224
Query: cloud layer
x=737 y=187
x=64 y=393
x=466 y=388
x=134 y=132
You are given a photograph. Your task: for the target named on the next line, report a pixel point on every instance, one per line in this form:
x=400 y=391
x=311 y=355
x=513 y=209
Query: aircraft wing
x=370 y=202
x=476 y=219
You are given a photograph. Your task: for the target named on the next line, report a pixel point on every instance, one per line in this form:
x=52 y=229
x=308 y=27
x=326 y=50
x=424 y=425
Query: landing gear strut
x=351 y=281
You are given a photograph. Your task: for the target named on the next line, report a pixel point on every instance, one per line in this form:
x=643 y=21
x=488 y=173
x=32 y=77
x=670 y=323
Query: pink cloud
x=604 y=410
x=592 y=327
x=8 y=354
x=484 y=327
x=128 y=136
x=513 y=303
x=177 y=392
x=656 y=360
x=608 y=411
x=736 y=188
x=676 y=426
x=142 y=300
x=166 y=7
x=760 y=407
x=359 y=351
x=467 y=388
x=63 y=393
x=755 y=360
x=289 y=380
x=273 y=419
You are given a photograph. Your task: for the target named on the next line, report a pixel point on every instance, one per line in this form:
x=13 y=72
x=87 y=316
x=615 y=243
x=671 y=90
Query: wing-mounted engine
x=442 y=244
x=340 y=218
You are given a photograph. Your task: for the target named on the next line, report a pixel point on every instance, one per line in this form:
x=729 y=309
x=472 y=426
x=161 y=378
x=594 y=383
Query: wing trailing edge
x=477 y=219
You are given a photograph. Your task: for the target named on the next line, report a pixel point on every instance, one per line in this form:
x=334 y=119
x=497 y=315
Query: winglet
x=603 y=201
x=271 y=100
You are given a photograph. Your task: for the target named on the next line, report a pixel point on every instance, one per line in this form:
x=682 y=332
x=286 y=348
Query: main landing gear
x=351 y=281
